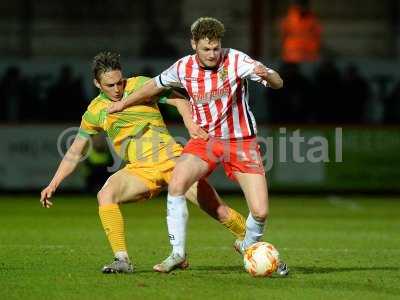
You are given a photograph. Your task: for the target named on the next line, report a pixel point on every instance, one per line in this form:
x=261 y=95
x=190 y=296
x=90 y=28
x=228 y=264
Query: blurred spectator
x=329 y=101
x=301 y=34
x=392 y=106
x=39 y=110
x=66 y=93
x=355 y=96
x=375 y=107
x=13 y=94
x=293 y=102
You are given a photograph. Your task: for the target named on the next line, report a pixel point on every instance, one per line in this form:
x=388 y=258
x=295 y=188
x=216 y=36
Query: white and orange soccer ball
x=261 y=259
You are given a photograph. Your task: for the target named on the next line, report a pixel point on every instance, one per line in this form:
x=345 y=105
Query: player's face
x=112 y=84
x=208 y=52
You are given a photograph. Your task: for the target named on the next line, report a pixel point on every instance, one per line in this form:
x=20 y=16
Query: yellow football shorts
x=155 y=171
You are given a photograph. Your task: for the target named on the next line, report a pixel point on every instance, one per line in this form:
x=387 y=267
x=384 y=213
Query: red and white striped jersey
x=219 y=96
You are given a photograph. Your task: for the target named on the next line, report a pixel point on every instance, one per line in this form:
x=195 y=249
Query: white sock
x=254 y=232
x=177 y=216
x=122 y=255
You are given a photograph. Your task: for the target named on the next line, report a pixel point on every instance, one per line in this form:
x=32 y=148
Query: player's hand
x=45 y=196
x=116 y=107
x=262 y=71
x=196 y=132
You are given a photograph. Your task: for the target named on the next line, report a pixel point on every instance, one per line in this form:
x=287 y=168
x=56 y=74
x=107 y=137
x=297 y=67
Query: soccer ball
x=261 y=259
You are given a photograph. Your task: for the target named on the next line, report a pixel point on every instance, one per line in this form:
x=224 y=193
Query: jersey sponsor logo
x=191 y=78
x=171 y=237
x=207 y=97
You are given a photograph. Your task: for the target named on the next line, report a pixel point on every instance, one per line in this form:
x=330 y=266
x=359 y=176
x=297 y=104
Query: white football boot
x=174 y=261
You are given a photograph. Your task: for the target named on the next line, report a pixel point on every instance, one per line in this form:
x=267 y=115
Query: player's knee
x=176 y=187
x=260 y=214
x=106 y=196
x=222 y=212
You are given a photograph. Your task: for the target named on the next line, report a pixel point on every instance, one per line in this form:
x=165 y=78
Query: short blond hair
x=207 y=27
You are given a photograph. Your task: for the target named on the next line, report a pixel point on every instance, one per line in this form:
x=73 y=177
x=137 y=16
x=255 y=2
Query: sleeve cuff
x=83 y=134
x=159 y=82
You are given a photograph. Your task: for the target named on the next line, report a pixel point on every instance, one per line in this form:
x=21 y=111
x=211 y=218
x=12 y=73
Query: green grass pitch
x=336 y=248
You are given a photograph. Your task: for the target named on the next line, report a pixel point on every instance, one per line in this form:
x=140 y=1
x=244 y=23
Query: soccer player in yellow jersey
x=141 y=138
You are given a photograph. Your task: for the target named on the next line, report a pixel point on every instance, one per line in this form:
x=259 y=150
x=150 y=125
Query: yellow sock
x=113 y=225
x=236 y=223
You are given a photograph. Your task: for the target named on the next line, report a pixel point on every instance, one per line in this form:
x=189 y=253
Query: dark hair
x=207 y=27
x=105 y=61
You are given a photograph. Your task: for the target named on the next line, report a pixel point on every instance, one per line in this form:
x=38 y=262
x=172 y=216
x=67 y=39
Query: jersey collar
x=103 y=96
x=217 y=66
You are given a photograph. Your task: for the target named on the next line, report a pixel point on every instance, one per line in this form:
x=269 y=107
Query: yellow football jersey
x=138 y=133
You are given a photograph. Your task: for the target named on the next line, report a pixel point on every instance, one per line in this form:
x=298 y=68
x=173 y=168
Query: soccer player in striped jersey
x=216 y=81
x=140 y=137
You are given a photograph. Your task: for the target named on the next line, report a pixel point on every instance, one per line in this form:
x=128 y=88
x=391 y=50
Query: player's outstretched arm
x=272 y=77
x=145 y=94
x=66 y=167
x=185 y=110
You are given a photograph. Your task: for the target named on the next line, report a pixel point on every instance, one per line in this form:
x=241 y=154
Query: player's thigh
x=254 y=187
x=188 y=169
x=123 y=186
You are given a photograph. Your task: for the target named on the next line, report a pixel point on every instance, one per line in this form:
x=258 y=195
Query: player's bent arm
x=185 y=110
x=271 y=76
x=143 y=95
x=66 y=167
x=274 y=79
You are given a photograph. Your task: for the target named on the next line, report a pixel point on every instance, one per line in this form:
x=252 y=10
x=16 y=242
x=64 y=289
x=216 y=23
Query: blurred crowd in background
x=338 y=59
x=326 y=93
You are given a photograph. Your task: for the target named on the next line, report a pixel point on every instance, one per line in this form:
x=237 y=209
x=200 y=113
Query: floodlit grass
x=336 y=248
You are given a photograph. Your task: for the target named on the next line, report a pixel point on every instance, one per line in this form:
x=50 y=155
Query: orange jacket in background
x=301 y=40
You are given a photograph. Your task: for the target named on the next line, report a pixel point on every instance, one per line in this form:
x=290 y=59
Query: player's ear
x=193 y=43
x=96 y=83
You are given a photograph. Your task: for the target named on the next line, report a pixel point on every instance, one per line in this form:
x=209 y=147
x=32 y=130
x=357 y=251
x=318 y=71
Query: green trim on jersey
x=103 y=96
x=91 y=118
x=83 y=134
